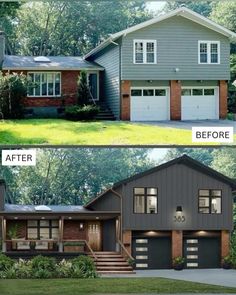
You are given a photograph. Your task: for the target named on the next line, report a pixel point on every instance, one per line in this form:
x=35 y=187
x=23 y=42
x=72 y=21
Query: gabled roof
x=188 y=162
x=15 y=62
x=109 y=190
x=182 y=11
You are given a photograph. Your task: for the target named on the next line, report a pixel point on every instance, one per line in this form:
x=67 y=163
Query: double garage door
x=153 y=104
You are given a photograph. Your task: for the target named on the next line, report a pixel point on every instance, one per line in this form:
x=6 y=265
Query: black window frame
x=145 y=195
x=210 y=200
x=38 y=226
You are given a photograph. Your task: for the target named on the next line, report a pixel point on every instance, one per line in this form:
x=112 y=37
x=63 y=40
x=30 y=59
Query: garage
x=200 y=103
x=202 y=252
x=152 y=253
x=150 y=104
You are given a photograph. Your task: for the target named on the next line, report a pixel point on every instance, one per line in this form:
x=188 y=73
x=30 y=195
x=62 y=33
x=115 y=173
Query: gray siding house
x=180 y=208
x=173 y=67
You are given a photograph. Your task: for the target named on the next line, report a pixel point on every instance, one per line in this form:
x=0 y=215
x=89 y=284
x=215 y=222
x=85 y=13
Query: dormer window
x=144 y=51
x=209 y=52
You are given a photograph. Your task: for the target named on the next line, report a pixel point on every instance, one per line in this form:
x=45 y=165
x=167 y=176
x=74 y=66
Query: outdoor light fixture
x=179 y=217
x=177 y=70
x=70 y=217
x=81 y=226
x=97 y=217
x=179 y=209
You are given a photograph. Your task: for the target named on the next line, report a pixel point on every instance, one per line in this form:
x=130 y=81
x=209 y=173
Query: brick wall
x=72 y=231
x=177 y=243
x=21 y=230
x=225 y=243
x=127 y=240
x=175 y=100
x=223 y=98
x=125 y=100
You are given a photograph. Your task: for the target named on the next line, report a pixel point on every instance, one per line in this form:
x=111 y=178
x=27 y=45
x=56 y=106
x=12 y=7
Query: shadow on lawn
x=11 y=137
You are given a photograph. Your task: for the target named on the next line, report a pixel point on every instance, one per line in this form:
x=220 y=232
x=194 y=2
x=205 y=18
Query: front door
x=94 y=235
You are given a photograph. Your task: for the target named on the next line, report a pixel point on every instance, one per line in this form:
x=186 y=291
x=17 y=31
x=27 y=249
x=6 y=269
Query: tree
x=84 y=94
x=201 y=7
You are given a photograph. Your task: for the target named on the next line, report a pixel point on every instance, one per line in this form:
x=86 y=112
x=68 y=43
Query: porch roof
x=28 y=63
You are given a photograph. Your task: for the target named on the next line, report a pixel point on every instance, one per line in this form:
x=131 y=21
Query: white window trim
x=145 y=51
x=44 y=96
x=208 y=52
x=98 y=86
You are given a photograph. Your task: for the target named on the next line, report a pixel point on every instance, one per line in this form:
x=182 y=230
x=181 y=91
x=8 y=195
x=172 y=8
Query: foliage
x=13 y=89
x=41 y=267
x=13 y=231
x=131 y=262
x=84 y=95
x=233 y=249
x=202 y=7
x=5 y=262
x=74 y=244
x=80 y=113
x=179 y=260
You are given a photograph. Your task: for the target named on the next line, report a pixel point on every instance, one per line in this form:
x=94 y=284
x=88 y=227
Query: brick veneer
x=175 y=100
x=72 y=231
x=225 y=243
x=127 y=240
x=125 y=100
x=177 y=243
x=21 y=230
x=223 y=97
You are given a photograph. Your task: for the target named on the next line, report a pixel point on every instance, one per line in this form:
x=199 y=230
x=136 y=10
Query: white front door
x=200 y=103
x=150 y=104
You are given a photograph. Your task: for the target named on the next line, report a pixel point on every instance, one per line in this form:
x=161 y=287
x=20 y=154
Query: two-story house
x=180 y=208
x=172 y=67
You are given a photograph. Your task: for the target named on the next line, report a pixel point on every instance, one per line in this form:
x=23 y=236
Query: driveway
x=187 y=125
x=219 y=277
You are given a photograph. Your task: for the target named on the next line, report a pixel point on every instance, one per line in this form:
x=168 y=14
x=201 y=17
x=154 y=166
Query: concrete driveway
x=219 y=277
x=187 y=125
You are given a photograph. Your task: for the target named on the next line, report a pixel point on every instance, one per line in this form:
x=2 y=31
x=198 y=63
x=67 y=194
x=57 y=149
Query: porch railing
x=85 y=242
x=125 y=250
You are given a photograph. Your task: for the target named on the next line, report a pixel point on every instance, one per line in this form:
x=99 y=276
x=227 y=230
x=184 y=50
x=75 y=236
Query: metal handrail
x=123 y=247
x=86 y=243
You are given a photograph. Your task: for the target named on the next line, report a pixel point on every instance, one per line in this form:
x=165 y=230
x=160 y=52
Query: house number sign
x=179 y=218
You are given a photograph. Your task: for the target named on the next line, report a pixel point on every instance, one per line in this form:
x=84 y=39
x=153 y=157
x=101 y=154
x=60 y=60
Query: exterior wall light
x=179 y=217
x=177 y=70
x=179 y=209
x=81 y=226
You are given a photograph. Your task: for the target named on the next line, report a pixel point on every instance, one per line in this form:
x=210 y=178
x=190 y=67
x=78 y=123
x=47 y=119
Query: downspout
x=121 y=211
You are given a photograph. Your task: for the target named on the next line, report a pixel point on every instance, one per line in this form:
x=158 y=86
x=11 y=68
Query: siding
x=177 y=47
x=109 y=59
x=109 y=235
x=108 y=202
x=177 y=185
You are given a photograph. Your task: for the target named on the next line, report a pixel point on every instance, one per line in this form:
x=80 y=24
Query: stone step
x=110 y=263
x=114 y=268
x=115 y=272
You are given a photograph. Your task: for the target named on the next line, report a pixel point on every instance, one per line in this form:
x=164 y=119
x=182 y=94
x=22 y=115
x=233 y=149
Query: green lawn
x=58 y=131
x=105 y=285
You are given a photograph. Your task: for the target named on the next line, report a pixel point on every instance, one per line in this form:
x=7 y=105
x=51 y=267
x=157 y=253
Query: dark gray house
x=172 y=67
x=180 y=208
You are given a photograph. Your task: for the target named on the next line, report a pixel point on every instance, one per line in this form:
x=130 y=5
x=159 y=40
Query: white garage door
x=150 y=104
x=200 y=103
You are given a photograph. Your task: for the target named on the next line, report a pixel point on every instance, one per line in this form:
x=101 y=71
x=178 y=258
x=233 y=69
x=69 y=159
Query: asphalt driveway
x=219 y=277
x=187 y=125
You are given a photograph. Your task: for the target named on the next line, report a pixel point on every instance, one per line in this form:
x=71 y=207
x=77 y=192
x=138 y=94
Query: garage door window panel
x=186 y=92
x=210 y=92
x=136 y=92
x=148 y=92
x=160 y=92
x=145 y=200
x=210 y=201
x=197 y=92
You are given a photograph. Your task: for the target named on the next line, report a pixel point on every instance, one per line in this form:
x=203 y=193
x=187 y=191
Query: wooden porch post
x=4 y=234
x=61 y=233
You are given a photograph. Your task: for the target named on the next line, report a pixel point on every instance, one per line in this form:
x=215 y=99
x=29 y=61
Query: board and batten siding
x=177 y=185
x=110 y=60
x=108 y=202
x=177 y=47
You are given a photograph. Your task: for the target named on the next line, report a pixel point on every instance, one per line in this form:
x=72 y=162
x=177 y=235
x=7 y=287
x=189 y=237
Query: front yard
x=106 y=285
x=62 y=132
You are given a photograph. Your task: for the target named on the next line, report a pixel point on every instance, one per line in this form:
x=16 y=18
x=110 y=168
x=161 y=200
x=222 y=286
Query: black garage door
x=152 y=253
x=202 y=252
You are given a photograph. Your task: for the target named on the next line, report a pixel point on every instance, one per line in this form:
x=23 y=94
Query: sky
x=155 y=5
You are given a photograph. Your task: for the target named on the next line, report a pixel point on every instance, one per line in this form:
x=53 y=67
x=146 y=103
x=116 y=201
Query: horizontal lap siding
x=177 y=185
x=109 y=59
x=177 y=47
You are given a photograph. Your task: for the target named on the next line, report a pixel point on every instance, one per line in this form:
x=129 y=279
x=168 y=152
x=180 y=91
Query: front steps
x=105 y=112
x=112 y=263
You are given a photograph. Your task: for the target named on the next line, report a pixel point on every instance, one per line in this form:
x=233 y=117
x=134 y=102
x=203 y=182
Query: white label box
x=213 y=134
x=18 y=157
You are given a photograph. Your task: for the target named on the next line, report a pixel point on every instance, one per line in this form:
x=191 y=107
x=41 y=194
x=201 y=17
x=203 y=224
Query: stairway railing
x=125 y=250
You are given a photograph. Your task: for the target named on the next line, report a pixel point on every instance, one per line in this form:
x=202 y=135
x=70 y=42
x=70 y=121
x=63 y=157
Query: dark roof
x=13 y=62
x=12 y=208
x=186 y=160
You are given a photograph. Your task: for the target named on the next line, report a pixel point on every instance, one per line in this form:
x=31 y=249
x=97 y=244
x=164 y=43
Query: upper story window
x=209 y=201
x=145 y=51
x=46 y=84
x=209 y=52
x=145 y=200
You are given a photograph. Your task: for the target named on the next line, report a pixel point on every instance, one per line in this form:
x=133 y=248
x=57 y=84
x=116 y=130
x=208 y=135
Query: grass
x=106 y=285
x=62 y=132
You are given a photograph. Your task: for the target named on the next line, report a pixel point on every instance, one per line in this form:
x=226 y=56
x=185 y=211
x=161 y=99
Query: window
x=145 y=200
x=197 y=92
x=136 y=92
x=144 y=51
x=148 y=92
x=45 y=84
x=209 y=52
x=42 y=229
x=209 y=201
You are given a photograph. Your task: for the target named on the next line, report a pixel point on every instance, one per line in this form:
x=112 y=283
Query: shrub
x=42 y=274
x=79 y=113
x=13 y=89
x=43 y=263
x=5 y=262
x=23 y=269
x=84 y=264
x=64 y=269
